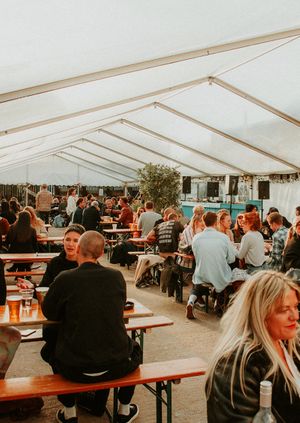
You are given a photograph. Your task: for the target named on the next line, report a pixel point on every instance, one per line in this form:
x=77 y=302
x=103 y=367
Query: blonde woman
x=224 y=223
x=196 y=225
x=259 y=341
x=37 y=223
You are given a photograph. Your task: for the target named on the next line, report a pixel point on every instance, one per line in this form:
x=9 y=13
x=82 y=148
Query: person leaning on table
x=259 y=341
x=10 y=339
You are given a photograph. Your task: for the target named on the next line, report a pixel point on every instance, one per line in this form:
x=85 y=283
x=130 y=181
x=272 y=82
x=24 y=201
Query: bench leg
x=115 y=405
x=179 y=288
x=140 y=335
x=158 y=402
x=169 y=402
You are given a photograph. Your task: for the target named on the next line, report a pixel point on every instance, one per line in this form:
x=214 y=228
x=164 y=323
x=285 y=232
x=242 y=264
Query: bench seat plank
x=28 y=387
x=140 y=323
x=25 y=273
x=148 y=322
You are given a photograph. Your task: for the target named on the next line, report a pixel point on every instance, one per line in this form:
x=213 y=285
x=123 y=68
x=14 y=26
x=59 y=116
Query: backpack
x=58 y=221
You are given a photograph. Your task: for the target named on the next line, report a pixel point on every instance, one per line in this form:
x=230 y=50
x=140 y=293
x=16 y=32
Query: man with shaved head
x=92 y=344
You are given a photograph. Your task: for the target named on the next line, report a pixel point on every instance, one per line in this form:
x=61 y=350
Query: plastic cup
x=41 y=293
x=114 y=226
x=27 y=295
x=14 y=305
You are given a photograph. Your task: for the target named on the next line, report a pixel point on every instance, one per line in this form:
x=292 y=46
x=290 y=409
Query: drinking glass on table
x=27 y=295
x=41 y=293
x=14 y=305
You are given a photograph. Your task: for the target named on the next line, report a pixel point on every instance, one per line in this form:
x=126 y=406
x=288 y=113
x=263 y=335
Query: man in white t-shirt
x=147 y=220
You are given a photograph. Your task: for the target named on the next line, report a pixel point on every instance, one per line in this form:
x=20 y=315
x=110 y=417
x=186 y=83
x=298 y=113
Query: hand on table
x=24 y=284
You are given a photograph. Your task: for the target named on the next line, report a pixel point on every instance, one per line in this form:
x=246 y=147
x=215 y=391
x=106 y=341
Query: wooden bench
x=161 y=373
x=138 y=327
x=25 y=273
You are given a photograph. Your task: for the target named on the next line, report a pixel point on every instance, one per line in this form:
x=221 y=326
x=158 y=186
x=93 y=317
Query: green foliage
x=160 y=184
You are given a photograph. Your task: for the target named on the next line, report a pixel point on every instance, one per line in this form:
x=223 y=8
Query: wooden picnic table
x=121 y=233
x=149 y=247
x=49 y=239
x=35 y=315
x=27 y=257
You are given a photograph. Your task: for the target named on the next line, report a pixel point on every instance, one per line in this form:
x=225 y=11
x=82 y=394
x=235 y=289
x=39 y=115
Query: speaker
x=233 y=185
x=212 y=189
x=263 y=190
x=186 y=184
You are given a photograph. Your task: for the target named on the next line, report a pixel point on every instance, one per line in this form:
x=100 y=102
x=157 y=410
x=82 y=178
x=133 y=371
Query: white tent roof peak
x=207 y=86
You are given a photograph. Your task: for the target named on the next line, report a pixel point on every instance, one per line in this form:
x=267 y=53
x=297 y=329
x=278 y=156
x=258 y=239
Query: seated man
x=147 y=219
x=279 y=236
x=126 y=215
x=91 y=216
x=166 y=235
x=213 y=253
x=92 y=342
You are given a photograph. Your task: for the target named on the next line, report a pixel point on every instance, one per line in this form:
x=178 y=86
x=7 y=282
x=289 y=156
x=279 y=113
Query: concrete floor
x=182 y=340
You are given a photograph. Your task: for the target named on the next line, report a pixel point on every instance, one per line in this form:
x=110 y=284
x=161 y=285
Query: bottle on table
x=264 y=415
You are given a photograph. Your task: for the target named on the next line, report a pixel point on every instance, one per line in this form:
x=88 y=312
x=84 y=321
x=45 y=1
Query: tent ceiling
x=103 y=87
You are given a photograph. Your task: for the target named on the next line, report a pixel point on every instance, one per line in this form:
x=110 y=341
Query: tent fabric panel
x=240 y=118
x=272 y=78
x=81 y=97
x=99 y=28
x=206 y=141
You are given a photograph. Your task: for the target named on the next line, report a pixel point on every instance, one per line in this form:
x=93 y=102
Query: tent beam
x=114 y=151
x=104 y=107
x=149 y=150
x=225 y=135
x=5 y=169
x=254 y=100
x=179 y=144
x=89 y=168
x=38 y=154
x=94 y=164
x=104 y=158
x=147 y=64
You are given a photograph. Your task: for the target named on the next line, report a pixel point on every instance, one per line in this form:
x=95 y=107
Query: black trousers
x=44 y=215
x=119 y=370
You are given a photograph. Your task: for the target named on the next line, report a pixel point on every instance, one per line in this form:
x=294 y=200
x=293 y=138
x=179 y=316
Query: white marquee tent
x=92 y=90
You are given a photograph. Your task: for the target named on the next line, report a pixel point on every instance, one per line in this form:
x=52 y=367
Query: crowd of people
x=259 y=337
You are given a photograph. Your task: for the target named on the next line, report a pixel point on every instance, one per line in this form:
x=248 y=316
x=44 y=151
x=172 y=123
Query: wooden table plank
x=27 y=257
x=35 y=315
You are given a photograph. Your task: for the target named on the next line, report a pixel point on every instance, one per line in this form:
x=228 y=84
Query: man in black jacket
x=91 y=216
x=77 y=216
x=92 y=343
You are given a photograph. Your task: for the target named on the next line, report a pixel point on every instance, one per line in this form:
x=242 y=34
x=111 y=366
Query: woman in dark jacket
x=21 y=238
x=259 y=342
x=67 y=258
x=291 y=255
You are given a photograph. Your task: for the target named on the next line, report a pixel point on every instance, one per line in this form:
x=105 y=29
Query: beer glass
x=14 y=305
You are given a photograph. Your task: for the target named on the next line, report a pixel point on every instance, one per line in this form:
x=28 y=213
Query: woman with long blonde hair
x=224 y=224
x=259 y=341
x=37 y=223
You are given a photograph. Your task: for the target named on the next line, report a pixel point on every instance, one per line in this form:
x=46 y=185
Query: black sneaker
x=60 y=417
x=134 y=412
